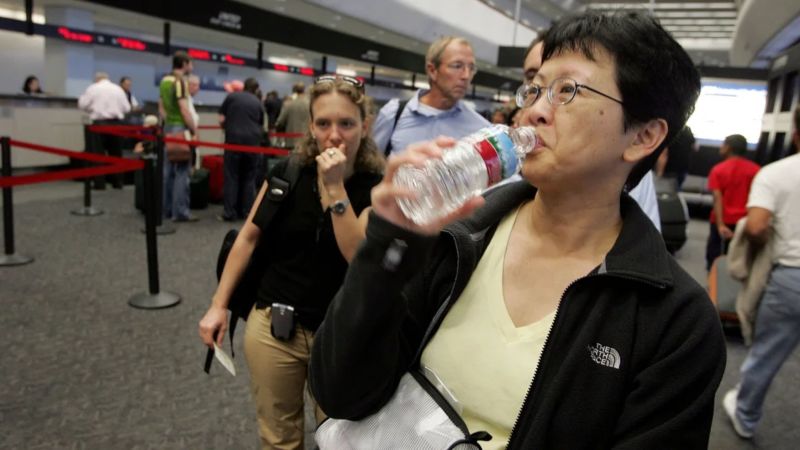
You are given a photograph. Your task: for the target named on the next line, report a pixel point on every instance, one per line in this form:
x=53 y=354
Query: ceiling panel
x=713 y=22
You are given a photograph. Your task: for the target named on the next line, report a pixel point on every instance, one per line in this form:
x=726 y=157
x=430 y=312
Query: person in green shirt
x=173 y=105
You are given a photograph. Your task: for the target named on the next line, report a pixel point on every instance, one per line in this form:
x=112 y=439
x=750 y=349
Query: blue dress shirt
x=416 y=124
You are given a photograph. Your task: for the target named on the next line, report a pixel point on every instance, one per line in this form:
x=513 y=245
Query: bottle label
x=494 y=167
x=497 y=151
x=507 y=154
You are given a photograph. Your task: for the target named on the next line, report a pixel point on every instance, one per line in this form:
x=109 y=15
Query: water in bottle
x=476 y=162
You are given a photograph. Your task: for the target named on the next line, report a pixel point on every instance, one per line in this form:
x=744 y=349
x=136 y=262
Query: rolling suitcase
x=216 y=176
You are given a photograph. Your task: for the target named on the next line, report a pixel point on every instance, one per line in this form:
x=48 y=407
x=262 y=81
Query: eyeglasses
x=460 y=66
x=330 y=78
x=560 y=92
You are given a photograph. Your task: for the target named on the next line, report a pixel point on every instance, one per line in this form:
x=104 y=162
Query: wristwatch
x=339 y=207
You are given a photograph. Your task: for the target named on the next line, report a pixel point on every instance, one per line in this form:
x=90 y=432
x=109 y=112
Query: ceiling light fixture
x=346 y=72
x=20 y=15
x=657 y=6
x=698 y=14
x=665 y=22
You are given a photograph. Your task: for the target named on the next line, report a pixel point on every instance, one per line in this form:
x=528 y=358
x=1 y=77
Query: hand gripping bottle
x=476 y=162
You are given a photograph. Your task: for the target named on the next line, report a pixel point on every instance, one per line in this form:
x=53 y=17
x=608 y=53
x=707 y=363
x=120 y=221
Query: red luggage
x=216 y=176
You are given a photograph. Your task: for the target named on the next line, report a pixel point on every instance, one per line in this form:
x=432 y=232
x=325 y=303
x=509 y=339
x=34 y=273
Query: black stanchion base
x=87 y=211
x=14 y=259
x=162 y=229
x=146 y=300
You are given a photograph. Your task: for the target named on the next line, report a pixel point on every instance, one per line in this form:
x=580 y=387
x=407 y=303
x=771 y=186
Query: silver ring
x=331 y=153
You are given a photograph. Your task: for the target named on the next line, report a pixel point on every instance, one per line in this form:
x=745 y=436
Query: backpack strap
x=400 y=107
x=278 y=189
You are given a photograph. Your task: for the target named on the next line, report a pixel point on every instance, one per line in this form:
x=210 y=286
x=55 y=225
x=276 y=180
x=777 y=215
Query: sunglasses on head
x=330 y=78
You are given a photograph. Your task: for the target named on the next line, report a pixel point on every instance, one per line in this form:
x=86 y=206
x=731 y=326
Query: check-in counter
x=51 y=121
x=57 y=122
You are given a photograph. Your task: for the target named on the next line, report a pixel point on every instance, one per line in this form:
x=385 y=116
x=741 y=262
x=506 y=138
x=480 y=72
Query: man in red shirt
x=729 y=181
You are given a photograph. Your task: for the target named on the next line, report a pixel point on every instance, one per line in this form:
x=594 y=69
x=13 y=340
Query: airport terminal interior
x=103 y=282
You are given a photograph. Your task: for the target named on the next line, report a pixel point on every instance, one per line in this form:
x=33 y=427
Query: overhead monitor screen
x=726 y=107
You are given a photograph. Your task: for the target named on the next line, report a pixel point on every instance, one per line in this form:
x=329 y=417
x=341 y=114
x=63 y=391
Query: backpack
x=400 y=107
x=244 y=295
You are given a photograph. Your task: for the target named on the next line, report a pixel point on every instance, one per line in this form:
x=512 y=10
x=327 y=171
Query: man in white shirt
x=106 y=104
x=773 y=214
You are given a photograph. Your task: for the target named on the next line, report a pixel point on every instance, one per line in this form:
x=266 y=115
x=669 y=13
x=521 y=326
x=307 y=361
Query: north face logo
x=603 y=355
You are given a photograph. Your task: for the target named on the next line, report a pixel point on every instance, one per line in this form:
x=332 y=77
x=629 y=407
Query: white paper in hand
x=224 y=359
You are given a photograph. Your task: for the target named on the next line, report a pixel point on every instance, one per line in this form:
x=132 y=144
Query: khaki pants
x=277 y=378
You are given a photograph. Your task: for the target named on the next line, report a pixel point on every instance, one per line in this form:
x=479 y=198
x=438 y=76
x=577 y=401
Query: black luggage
x=674 y=214
x=199 y=189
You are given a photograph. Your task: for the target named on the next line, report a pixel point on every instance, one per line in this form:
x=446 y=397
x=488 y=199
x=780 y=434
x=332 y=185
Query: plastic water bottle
x=476 y=162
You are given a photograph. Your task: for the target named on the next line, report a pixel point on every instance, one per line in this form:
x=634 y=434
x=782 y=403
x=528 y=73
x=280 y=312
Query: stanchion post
x=10 y=258
x=88 y=147
x=154 y=298
x=87 y=193
x=158 y=201
x=88 y=209
x=159 y=175
x=150 y=227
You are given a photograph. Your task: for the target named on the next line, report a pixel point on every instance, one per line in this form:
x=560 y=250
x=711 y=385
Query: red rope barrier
x=272 y=134
x=117 y=127
x=115 y=165
x=128 y=131
x=116 y=131
x=234 y=147
x=111 y=129
x=93 y=157
x=118 y=165
x=70 y=174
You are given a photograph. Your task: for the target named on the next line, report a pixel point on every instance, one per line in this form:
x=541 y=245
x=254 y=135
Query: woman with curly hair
x=307 y=245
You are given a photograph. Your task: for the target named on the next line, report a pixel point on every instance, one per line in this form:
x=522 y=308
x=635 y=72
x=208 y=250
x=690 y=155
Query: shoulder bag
x=417 y=417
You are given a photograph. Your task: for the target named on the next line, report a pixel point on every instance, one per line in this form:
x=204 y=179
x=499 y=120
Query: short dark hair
x=655 y=75
x=26 y=86
x=124 y=79
x=180 y=59
x=737 y=143
x=251 y=85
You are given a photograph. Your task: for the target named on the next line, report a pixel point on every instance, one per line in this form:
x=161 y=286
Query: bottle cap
x=524 y=139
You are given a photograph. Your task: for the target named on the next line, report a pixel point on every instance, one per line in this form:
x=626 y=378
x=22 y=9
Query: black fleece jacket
x=632 y=361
